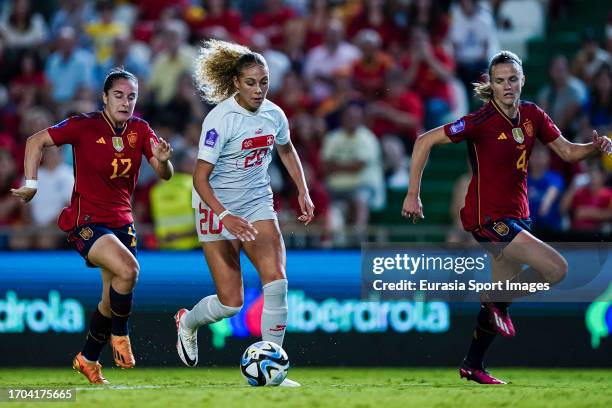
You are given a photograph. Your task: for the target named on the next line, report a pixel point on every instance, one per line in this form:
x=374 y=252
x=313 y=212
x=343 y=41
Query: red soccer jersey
x=499 y=150
x=106 y=167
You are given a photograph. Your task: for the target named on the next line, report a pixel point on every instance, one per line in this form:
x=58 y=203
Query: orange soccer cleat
x=91 y=371
x=122 y=351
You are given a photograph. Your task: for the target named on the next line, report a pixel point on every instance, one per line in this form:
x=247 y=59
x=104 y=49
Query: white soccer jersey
x=239 y=143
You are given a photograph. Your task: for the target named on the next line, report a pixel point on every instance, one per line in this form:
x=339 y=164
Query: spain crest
x=517 y=134
x=86 y=233
x=118 y=143
x=501 y=228
x=132 y=138
x=528 y=128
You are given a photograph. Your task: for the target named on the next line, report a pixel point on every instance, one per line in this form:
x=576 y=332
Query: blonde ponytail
x=215 y=69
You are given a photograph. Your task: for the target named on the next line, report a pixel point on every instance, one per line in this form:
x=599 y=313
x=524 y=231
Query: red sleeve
x=149 y=135
x=460 y=129
x=67 y=131
x=547 y=130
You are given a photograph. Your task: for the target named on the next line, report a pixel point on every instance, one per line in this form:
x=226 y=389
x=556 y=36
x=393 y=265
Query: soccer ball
x=264 y=363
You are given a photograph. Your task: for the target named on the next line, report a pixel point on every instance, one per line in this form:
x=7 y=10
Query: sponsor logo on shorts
x=211 y=138
x=501 y=228
x=458 y=126
x=86 y=233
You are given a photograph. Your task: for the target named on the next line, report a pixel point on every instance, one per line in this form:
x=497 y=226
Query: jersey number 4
x=207 y=224
x=124 y=164
x=521 y=163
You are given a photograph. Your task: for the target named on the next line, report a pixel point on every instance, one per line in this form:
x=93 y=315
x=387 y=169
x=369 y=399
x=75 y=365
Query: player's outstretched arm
x=160 y=161
x=33 y=153
x=573 y=152
x=292 y=163
x=237 y=226
x=412 y=207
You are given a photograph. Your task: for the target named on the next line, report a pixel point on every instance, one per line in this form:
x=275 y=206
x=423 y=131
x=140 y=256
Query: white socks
x=209 y=310
x=274 y=314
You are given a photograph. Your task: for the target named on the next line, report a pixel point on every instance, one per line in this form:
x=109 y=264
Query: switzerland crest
x=118 y=143
x=132 y=138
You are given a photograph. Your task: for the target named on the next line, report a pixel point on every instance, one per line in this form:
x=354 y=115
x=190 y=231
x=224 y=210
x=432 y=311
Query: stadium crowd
x=358 y=80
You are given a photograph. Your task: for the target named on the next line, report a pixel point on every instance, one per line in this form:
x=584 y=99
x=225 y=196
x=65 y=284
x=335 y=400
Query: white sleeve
x=282 y=136
x=213 y=137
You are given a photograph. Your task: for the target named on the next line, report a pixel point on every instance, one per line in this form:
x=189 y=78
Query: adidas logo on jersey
x=101 y=141
x=502 y=136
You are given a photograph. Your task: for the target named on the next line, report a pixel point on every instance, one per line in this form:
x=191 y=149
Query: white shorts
x=209 y=227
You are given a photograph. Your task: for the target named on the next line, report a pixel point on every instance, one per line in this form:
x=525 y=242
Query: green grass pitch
x=324 y=387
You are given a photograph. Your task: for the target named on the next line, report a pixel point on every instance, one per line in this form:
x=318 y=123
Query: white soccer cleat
x=289 y=383
x=187 y=341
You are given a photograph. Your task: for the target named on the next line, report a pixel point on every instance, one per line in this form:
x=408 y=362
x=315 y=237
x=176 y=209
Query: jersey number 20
x=255 y=158
x=207 y=224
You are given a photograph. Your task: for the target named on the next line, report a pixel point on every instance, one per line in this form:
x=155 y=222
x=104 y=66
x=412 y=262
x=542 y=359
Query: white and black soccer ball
x=264 y=363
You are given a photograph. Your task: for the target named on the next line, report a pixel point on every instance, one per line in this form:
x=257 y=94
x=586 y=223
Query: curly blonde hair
x=216 y=65
x=483 y=90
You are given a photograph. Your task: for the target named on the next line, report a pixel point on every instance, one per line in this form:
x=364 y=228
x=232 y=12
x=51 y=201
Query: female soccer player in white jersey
x=232 y=195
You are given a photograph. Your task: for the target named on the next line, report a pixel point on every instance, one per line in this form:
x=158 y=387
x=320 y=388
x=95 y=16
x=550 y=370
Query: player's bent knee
x=129 y=272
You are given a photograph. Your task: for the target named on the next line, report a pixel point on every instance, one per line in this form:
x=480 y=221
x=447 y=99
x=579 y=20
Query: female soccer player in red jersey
x=500 y=137
x=107 y=148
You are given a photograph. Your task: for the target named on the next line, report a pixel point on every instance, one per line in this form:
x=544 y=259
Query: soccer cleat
x=187 y=341
x=500 y=319
x=122 y=351
x=479 y=375
x=289 y=383
x=91 y=371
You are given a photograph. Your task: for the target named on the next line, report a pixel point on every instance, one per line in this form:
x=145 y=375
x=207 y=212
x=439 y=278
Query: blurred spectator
x=271 y=20
x=399 y=113
x=124 y=56
x=171 y=208
x=352 y=163
x=104 y=29
x=151 y=10
x=69 y=68
x=589 y=58
x=332 y=106
x=23 y=29
x=176 y=58
x=182 y=108
x=429 y=70
x=214 y=16
x=12 y=210
x=396 y=162
x=55 y=186
x=75 y=14
x=369 y=71
x=598 y=109
x=474 y=37
x=316 y=22
x=328 y=59
x=278 y=63
x=376 y=15
x=307 y=134
x=29 y=86
x=431 y=16
x=544 y=189
x=563 y=97
x=588 y=200
x=293 y=99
